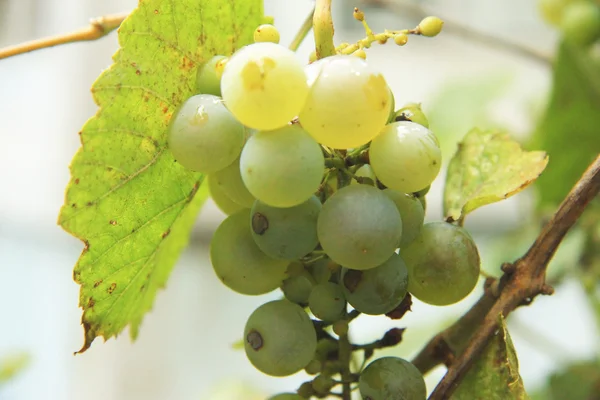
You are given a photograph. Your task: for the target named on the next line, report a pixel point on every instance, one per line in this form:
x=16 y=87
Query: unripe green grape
x=327 y=302
x=282 y=168
x=221 y=200
x=443 y=264
x=366 y=175
x=378 y=290
x=279 y=338
x=412 y=112
x=327 y=349
x=207 y=79
x=580 y=23
x=348 y=103
x=266 y=33
x=430 y=26
x=264 y=86
x=323 y=384
x=392 y=378
x=552 y=10
x=287 y=233
x=359 y=227
x=405 y=156
x=306 y=390
x=287 y=396
x=411 y=212
x=340 y=327
x=204 y=136
x=239 y=263
x=313 y=367
x=229 y=179
x=297 y=289
x=321 y=270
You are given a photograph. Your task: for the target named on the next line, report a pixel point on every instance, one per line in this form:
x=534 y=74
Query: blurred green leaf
x=462 y=104
x=495 y=374
x=488 y=167
x=579 y=381
x=570 y=130
x=13 y=365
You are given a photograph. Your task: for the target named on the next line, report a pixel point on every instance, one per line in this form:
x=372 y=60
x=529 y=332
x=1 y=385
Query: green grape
x=204 y=136
x=282 y=168
x=405 y=156
x=279 y=338
x=239 y=263
x=221 y=200
x=430 y=26
x=443 y=264
x=323 y=384
x=359 y=227
x=348 y=103
x=412 y=112
x=287 y=396
x=313 y=367
x=229 y=179
x=411 y=212
x=264 y=85
x=366 y=175
x=321 y=270
x=287 y=233
x=392 y=378
x=297 y=289
x=378 y=290
x=208 y=80
x=552 y=10
x=580 y=23
x=266 y=33
x=327 y=301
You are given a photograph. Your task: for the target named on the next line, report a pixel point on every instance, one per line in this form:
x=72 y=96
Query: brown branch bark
x=99 y=27
x=459 y=345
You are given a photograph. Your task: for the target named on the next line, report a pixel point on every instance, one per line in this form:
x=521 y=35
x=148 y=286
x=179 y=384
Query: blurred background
x=186 y=346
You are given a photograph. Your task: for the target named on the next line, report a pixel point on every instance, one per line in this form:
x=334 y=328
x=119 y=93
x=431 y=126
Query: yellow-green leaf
x=130 y=203
x=495 y=373
x=488 y=167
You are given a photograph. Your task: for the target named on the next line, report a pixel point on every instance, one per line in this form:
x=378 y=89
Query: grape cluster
x=323 y=181
x=578 y=20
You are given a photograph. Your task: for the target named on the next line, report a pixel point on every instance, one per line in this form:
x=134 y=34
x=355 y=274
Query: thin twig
x=523 y=280
x=303 y=31
x=99 y=27
x=459 y=29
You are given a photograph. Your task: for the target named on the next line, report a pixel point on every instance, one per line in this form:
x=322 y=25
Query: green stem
x=345 y=353
x=323 y=29
x=303 y=31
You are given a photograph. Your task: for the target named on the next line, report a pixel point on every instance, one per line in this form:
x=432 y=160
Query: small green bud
x=430 y=26
x=401 y=39
x=322 y=384
x=340 y=327
x=313 y=367
x=358 y=15
x=360 y=53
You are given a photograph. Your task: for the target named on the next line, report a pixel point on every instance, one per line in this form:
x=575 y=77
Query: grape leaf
x=495 y=373
x=569 y=131
x=488 y=167
x=130 y=203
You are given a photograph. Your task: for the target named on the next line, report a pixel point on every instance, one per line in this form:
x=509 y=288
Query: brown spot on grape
x=352 y=279
x=255 y=340
x=111 y=288
x=260 y=223
x=97 y=283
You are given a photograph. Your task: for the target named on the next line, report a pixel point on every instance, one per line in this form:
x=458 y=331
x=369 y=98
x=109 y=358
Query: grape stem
x=323 y=29
x=303 y=31
x=460 y=345
x=98 y=28
x=345 y=353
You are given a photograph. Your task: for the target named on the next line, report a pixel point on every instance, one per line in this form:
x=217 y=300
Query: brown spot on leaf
x=113 y=222
x=111 y=288
x=86 y=245
x=89 y=204
x=91 y=303
x=74 y=205
x=97 y=283
x=77 y=181
x=142 y=288
x=165 y=109
x=165 y=234
x=156 y=12
x=138 y=72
